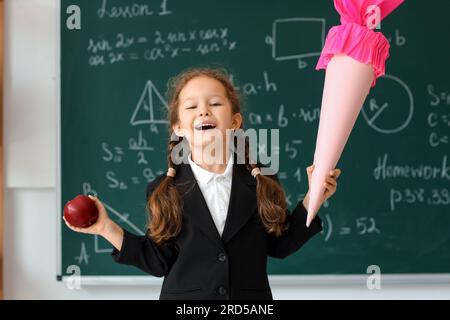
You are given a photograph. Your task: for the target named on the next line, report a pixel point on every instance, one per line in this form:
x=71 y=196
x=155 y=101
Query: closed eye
x=216 y=104
x=193 y=107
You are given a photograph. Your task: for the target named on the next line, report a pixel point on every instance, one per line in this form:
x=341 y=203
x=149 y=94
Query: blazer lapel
x=241 y=207
x=194 y=206
x=242 y=201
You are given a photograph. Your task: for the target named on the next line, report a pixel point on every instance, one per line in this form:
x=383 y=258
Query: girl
x=212 y=224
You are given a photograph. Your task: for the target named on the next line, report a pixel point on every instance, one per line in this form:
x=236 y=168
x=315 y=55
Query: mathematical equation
x=361 y=226
x=120 y=48
x=439 y=118
x=137 y=151
x=281 y=117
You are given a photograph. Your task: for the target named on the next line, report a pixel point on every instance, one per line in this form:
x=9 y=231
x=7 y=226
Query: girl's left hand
x=330 y=184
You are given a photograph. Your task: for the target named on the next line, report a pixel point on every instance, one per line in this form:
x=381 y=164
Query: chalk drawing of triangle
x=150 y=108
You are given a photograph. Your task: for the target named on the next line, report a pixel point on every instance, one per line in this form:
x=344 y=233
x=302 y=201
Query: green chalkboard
x=392 y=207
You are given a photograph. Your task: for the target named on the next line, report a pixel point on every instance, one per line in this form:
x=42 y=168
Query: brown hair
x=165 y=203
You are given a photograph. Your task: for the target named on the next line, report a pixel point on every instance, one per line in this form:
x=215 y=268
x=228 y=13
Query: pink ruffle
x=357 y=10
x=358 y=42
x=355 y=39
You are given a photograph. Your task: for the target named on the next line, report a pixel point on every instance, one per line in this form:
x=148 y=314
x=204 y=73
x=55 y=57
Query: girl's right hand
x=100 y=225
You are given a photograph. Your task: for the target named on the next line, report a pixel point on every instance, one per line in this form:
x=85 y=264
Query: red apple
x=81 y=212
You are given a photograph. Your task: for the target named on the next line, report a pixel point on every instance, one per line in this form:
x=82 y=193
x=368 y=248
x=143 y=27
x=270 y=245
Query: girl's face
x=204 y=112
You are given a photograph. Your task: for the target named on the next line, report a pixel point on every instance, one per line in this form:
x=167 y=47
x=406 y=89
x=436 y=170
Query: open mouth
x=205 y=126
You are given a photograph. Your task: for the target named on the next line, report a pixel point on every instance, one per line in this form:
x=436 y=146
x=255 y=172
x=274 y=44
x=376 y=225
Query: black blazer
x=198 y=263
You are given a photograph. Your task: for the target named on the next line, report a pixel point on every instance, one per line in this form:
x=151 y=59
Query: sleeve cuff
x=316 y=223
x=129 y=243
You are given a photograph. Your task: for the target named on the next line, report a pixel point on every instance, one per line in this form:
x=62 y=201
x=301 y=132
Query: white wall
x=30 y=131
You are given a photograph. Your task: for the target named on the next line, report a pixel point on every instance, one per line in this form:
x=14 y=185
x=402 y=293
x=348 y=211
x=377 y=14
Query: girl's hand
x=100 y=226
x=330 y=185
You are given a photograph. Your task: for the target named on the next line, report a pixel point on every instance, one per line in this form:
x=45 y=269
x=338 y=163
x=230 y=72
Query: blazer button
x=222 y=290
x=222 y=257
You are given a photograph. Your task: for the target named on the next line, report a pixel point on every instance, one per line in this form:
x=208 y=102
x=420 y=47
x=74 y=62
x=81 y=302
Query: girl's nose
x=203 y=111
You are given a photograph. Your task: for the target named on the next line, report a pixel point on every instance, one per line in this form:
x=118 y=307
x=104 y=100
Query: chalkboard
x=392 y=207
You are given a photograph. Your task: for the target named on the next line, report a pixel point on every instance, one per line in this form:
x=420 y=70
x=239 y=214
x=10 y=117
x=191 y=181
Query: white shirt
x=216 y=189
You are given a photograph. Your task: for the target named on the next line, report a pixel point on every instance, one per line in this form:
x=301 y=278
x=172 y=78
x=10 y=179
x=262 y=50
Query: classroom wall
x=30 y=132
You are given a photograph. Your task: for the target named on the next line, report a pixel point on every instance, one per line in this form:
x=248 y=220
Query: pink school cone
x=354 y=57
x=342 y=100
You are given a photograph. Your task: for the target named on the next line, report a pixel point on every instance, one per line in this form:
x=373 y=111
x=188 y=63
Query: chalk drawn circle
x=391 y=118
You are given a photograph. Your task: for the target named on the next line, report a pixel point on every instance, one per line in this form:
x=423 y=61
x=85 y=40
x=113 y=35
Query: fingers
x=97 y=202
x=329 y=191
x=330 y=186
x=94 y=198
x=309 y=171
x=335 y=173
x=72 y=227
x=331 y=181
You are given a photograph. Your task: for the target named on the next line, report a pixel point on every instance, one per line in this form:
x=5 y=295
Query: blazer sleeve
x=296 y=235
x=142 y=252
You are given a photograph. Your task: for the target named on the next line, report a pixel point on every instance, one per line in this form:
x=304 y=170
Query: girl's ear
x=236 y=120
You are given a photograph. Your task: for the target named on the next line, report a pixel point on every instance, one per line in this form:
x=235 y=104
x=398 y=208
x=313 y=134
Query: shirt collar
x=204 y=177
